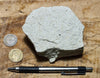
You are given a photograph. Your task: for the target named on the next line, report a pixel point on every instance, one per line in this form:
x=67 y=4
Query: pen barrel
x=28 y=69
x=62 y=69
x=51 y=69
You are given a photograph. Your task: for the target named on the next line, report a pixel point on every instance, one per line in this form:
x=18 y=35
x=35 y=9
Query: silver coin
x=10 y=40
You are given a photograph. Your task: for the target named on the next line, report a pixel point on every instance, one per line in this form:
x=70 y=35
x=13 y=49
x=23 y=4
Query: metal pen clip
x=76 y=73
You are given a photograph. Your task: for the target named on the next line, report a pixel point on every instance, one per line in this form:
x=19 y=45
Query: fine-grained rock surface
x=55 y=32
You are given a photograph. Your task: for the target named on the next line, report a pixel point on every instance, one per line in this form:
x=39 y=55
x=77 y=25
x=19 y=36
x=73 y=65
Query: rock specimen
x=55 y=32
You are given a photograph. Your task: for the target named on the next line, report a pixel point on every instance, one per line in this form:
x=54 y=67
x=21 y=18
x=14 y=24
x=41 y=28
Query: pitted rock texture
x=55 y=32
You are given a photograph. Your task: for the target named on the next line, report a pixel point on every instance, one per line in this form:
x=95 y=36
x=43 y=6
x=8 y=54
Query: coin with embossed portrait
x=15 y=55
x=10 y=40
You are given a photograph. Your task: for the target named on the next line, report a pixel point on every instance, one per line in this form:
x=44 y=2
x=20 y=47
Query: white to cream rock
x=55 y=32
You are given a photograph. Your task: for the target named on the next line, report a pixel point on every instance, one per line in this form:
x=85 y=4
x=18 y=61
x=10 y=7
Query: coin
x=15 y=55
x=10 y=40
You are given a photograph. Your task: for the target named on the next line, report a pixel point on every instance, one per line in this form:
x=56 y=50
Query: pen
x=81 y=70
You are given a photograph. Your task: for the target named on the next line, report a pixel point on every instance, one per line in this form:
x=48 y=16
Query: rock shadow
x=32 y=48
x=71 y=56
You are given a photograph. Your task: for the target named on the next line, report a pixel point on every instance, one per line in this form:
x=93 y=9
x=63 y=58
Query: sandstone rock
x=55 y=32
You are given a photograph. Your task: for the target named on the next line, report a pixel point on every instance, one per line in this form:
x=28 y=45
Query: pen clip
x=77 y=73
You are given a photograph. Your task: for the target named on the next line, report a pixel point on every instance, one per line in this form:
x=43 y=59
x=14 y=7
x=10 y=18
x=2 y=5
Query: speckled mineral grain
x=55 y=32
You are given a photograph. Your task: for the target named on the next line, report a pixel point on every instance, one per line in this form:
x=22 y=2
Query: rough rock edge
x=57 y=53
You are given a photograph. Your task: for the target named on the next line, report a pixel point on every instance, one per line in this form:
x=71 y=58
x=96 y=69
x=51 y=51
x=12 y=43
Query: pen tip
x=10 y=69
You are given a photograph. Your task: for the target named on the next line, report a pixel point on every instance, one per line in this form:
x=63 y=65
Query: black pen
x=81 y=70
